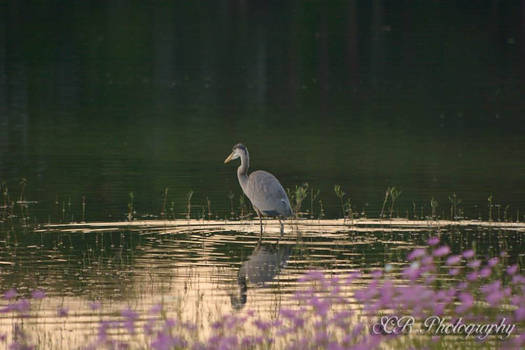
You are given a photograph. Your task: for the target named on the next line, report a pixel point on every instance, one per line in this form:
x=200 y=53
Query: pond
x=397 y=122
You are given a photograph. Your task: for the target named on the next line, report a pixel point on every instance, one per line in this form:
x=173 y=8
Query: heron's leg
x=282 y=227
x=260 y=221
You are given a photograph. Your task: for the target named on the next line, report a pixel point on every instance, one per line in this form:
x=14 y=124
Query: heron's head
x=237 y=150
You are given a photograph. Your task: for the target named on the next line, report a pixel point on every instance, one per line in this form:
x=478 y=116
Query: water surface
x=200 y=271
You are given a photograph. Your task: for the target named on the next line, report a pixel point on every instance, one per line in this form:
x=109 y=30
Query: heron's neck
x=242 y=170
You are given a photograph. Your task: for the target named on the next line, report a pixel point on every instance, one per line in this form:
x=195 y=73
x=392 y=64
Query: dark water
x=99 y=99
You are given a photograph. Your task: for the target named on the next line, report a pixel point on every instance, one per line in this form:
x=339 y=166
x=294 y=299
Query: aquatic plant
x=394 y=194
x=164 y=202
x=23 y=184
x=434 y=206
x=188 y=204
x=506 y=213
x=131 y=208
x=300 y=194
x=83 y=208
x=314 y=193
x=172 y=210
x=230 y=197
x=208 y=203
x=340 y=194
x=454 y=203
x=243 y=208
x=387 y=195
x=321 y=210
x=490 y=199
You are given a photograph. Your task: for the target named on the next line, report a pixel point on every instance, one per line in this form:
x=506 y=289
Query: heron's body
x=262 y=188
x=266 y=194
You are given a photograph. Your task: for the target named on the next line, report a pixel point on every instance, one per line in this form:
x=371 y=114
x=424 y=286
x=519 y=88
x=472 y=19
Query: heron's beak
x=229 y=158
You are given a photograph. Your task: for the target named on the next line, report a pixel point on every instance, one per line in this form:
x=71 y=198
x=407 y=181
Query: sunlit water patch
x=199 y=271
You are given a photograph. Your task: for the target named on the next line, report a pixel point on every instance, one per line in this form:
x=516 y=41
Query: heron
x=264 y=191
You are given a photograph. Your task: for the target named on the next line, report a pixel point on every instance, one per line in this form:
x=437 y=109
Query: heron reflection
x=263 y=264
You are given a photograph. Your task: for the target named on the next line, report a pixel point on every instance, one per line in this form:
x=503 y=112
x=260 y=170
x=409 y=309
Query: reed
x=164 y=202
x=490 y=200
x=131 y=207
x=313 y=196
x=394 y=195
x=339 y=193
x=387 y=195
x=434 y=204
x=188 y=204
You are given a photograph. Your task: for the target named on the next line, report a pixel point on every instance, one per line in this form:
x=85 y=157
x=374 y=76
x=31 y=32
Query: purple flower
x=416 y=253
x=518 y=279
x=474 y=264
x=102 y=331
x=439 y=308
x=493 y=261
x=128 y=313
x=38 y=294
x=411 y=272
x=22 y=306
x=441 y=251
x=169 y=323
x=163 y=341
x=485 y=272
x=287 y=313
x=468 y=254
x=313 y=275
x=511 y=270
x=149 y=326
x=376 y=274
x=462 y=285
x=129 y=324
x=472 y=276
x=453 y=259
x=155 y=309
x=62 y=312
x=262 y=325
x=10 y=294
x=251 y=341
x=467 y=300
x=321 y=306
x=433 y=241
x=352 y=276
x=519 y=314
x=491 y=287
x=94 y=305
x=453 y=272
x=494 y=297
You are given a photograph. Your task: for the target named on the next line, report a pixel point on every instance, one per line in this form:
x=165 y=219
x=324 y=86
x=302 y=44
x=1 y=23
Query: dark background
x=103 y=98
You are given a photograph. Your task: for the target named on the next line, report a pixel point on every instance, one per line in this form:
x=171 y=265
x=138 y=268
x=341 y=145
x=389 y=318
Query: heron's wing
x=266 y=193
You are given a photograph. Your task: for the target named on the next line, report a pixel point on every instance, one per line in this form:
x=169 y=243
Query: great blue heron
x=262 y=188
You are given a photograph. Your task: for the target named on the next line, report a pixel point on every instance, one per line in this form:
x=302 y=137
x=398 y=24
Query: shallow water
x=201 y=270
